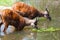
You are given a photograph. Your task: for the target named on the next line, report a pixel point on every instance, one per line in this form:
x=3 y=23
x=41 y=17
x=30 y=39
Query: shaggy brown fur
x=10 y=17
x=29 y=11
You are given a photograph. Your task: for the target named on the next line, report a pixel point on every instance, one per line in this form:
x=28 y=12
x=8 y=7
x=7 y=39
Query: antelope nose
x=49 y=18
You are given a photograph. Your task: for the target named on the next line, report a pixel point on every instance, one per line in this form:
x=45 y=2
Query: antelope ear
x=47 y=10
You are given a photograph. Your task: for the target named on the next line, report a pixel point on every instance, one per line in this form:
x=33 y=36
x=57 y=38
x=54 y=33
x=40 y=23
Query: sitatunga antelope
x=29 y=11
x=10 y=17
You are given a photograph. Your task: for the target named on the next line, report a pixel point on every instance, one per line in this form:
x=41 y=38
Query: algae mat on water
x=51 y=29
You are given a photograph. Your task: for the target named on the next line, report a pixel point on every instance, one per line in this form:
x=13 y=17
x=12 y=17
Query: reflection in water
x=9 y=30
x=22 y=35
x=30 y=37
x=49 y=35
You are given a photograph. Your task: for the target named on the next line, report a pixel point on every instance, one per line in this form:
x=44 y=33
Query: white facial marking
x=30 y=21
x=45 y=12
x=32 y=24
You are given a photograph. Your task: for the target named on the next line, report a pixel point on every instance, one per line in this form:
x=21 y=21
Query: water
x=27 y=34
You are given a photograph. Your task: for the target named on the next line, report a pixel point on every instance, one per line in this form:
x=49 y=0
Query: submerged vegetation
x=51 y=29
x=47 y=30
